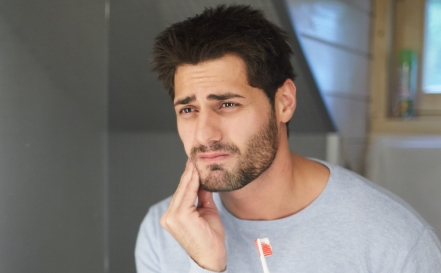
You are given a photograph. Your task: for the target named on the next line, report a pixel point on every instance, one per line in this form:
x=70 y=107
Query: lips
x=217 y=156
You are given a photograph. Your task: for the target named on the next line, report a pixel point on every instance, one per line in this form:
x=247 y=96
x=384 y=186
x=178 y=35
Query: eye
x=228 y=104
x=186 y=110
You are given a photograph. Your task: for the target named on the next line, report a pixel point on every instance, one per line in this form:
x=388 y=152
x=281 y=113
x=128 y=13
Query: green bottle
x=404 y=106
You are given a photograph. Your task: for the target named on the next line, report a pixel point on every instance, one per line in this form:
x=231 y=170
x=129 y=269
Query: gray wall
x=335 y=37
x=52 y=136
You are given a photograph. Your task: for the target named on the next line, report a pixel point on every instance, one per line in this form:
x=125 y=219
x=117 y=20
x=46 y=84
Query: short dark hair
x=234 y=29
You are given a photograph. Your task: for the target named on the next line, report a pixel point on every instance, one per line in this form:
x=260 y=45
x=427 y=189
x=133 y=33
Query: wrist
x=214 y=266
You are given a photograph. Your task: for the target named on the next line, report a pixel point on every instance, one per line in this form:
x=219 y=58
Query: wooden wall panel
x=364 y=5
x=331 y=21
x=334 y=35
x=337 y=70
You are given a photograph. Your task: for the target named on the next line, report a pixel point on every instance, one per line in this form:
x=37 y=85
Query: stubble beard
x=261 y=149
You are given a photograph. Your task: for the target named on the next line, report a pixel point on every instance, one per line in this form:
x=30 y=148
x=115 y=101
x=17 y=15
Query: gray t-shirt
x=353 y=226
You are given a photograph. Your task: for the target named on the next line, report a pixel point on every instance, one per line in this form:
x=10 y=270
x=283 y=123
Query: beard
x=260 y=151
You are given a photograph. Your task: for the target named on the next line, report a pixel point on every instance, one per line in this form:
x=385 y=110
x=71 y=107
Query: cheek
x=240 y=129
x=186 y=134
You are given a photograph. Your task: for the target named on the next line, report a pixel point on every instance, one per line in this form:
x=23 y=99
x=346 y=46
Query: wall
x=335 y=37
x=52 y=136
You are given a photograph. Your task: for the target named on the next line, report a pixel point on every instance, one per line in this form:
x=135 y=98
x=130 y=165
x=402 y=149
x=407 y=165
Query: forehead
x=219 y=75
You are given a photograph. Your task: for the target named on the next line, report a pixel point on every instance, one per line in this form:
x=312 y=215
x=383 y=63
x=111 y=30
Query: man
x=228 y=73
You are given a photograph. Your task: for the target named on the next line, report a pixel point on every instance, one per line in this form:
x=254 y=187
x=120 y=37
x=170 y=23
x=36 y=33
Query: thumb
x=205 y=199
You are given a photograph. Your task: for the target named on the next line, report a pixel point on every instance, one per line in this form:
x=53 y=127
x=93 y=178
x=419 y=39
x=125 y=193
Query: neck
x=289 y=185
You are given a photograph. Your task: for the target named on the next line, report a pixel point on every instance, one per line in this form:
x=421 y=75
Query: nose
x=208 y=128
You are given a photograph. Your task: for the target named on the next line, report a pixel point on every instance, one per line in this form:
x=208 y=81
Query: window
x=416 y=25
x=431 y=76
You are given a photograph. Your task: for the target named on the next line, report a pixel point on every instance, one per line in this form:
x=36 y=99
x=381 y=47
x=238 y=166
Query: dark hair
x=236 y=29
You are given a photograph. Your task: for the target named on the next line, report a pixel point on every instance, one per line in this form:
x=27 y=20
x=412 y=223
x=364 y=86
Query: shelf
x=418 y=125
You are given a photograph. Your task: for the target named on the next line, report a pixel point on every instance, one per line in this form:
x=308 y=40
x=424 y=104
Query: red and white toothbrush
x=264 y=248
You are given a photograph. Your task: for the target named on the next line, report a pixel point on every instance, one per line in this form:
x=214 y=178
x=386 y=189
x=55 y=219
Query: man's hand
x=199 y=229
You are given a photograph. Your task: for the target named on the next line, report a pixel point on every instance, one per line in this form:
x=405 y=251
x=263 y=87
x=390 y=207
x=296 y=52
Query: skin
x=289 y=185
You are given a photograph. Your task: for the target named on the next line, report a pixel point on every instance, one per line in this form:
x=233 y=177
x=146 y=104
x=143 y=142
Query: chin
x=222 y=181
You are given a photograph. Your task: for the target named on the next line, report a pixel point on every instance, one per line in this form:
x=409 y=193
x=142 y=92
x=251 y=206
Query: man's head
x=228 y=73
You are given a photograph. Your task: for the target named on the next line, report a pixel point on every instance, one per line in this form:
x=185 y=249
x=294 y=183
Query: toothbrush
x=264 y=248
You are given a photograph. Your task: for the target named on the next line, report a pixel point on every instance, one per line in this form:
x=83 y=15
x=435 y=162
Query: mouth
x=213 y=157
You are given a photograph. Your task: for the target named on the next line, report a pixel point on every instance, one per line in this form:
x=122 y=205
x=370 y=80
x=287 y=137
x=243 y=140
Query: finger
x=175 y=197
x=182 y=177
x=191 y=192
x=186 y=174
x=182 y=187
x=205 y=199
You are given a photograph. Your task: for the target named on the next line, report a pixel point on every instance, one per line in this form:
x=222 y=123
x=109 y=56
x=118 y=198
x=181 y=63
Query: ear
x=285 y=101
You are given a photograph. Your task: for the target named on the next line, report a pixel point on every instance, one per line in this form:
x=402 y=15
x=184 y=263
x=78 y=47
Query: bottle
x=404 y=105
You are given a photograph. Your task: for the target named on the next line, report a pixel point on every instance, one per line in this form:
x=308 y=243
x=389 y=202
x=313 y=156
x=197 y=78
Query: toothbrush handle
x=264 y=266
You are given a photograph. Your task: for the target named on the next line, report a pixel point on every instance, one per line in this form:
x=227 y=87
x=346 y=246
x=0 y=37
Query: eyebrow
x=225 y=96
x=219 y=97
x=186 y=100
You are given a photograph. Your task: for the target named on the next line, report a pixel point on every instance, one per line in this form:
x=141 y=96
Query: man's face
x=228 y=128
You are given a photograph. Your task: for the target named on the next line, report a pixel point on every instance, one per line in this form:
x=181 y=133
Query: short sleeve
x=146 y=258
x=425 y=256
